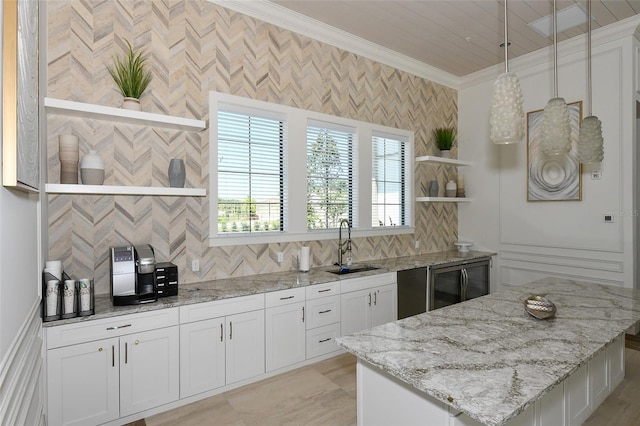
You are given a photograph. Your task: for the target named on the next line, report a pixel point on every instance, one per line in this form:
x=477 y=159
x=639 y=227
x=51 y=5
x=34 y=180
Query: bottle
x=348 y=256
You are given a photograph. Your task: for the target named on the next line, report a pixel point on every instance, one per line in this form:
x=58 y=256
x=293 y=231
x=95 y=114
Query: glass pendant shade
x=556 y=132
x=591 y=143
x=507 y=113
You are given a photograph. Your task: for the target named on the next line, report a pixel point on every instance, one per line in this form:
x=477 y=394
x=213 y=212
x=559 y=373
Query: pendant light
x=507 y=115
x=590 y=143
x=556 y=132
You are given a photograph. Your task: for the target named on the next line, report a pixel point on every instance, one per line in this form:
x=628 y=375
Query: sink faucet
x=345 y=246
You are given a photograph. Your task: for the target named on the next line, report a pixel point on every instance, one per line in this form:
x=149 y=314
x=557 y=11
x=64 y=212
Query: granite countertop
x=207 y=291
x=490 y=359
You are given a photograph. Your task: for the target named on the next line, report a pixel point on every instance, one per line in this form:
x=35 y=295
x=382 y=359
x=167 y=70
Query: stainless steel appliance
x=424 y=289
x=454 y=283
x=133 y=277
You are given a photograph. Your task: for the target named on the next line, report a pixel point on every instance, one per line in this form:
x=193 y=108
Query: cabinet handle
x=375 y=297
x=115 y=327
x=99 y=349
x=221 y=332
x=288 y=297
x=126 y=353
x=324 y=340
x=230 y=330
x=137 y=342
x=324 y=312
x=303 y=314
x=113 y=356
x=369 y=299
x=322 y=291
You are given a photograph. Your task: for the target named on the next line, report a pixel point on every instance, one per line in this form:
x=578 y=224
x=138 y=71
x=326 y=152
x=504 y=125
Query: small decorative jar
x=92 y=169
x=450 y=189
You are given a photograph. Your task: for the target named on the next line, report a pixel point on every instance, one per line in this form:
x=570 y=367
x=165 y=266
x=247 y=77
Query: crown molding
x=301 y=24
x=543 y=58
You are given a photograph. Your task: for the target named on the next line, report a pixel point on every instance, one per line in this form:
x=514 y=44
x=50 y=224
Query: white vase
x=131 y=103
x=92 y=169
x=445 y=153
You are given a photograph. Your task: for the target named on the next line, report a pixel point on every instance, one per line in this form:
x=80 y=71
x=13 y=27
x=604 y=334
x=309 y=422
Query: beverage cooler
x=454 y=283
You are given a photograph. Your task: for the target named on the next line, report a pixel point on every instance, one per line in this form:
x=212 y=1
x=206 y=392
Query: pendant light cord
x=555 y=52
x=506 y=39
x=589 y=57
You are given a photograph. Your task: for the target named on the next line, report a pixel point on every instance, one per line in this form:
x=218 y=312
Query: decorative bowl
x=540 y=307
x=463 y=246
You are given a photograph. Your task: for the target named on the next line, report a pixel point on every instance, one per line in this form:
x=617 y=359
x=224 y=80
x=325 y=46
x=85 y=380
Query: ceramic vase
x=68 y=153
x=445 y=153
x=433 y=188
x=176 y=173
x=132 y=104
x=92 y=169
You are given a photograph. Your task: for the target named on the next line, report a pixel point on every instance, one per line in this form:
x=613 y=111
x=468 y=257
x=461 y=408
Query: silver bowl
x=540 y=307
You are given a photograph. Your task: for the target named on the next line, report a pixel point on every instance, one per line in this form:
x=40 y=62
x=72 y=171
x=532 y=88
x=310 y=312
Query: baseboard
x=21 y=396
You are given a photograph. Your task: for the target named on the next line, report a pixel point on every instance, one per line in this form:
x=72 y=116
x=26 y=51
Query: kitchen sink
x=353 y=270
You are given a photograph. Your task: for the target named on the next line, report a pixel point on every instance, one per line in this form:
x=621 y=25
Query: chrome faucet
x=343 y=247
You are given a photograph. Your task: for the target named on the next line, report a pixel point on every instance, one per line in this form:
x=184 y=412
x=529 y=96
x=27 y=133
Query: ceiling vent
x=568 y=17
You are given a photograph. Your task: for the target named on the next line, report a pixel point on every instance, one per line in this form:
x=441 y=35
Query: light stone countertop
x=490 y=359
x=207 y=291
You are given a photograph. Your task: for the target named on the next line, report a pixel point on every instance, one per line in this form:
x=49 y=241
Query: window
x=329 y=177
x=250 y=186
x=388 y=203
x=280 y=174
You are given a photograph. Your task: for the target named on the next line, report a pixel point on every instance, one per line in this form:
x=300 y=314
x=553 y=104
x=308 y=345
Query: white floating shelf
x=60 y=188
x=451 y=161
x=442 y=200
x=99 y=112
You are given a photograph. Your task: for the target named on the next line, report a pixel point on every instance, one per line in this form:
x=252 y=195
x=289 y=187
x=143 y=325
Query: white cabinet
x=285 y=334
x=220 y=344
x=368 y=301
x=82 y=383
x=149 y=370
x=324 y=315
x=92 y=378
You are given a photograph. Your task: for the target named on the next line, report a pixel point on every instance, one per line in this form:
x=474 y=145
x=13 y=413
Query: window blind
x=251 y=195
x=330 y=184
x=388 y=182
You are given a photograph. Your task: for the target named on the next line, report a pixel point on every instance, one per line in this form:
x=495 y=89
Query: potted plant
x=444 y=138
x=131 y=77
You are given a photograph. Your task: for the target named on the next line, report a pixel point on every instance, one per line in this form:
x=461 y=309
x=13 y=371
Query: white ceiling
x=456 y=36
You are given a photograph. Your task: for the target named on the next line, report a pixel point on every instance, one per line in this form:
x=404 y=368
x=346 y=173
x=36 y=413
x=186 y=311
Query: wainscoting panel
x=21 y=402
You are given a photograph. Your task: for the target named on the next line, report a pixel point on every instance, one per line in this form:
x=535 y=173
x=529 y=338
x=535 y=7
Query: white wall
x=21 y=397
x=536 y=239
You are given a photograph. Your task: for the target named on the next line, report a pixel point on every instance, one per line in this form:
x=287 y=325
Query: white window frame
x=295 y=221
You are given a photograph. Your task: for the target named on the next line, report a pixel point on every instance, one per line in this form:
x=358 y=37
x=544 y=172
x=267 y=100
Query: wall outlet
x=280 y=257
x=596 y=175
x=608 y=218
x=195 y=265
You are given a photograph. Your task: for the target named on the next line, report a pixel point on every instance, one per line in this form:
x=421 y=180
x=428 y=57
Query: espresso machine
x=133 y=275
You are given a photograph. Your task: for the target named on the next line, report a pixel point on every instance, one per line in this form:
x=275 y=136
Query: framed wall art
x=558 y=177
x=20 y=121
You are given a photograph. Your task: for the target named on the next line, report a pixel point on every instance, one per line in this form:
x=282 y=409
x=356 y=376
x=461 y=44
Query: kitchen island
x=486 y=361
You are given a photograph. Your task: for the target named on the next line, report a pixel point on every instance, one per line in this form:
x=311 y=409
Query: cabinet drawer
x=323 y=290
x=221 y=308
x=322 y=340
x=323 y=311
x=87 y=331
x=361 y=283
x=284 y=297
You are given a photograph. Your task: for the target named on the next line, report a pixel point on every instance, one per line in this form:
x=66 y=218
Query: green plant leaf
x=130 y=73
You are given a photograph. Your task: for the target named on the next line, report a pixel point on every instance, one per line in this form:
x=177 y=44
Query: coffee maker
x=133 y=276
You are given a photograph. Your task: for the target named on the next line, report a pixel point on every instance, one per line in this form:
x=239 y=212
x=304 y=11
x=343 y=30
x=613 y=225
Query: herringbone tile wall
x=195 y=47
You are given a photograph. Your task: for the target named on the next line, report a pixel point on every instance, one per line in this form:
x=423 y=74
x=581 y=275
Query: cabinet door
x=149 y=369
x=356 y=311
x=285 y=335
x=576 y=390
x=245 y=345
x=202 y=363
x=385 y=304
x=83 y=383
